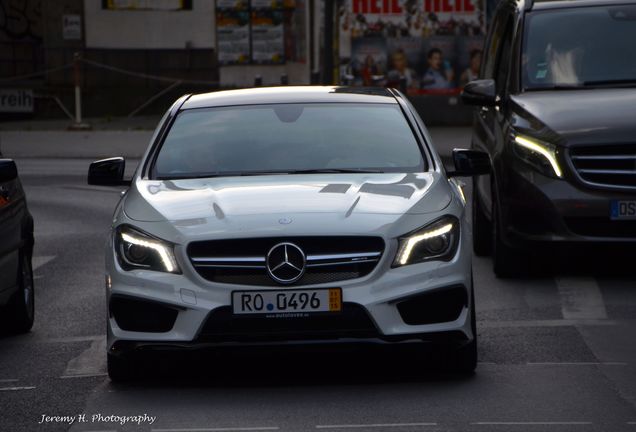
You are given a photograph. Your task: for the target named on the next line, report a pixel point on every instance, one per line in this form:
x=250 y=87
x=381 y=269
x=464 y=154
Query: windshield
x=580 y=47
x=288 y=138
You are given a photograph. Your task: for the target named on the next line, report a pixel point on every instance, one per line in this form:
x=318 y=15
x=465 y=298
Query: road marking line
x=74 y=339
x=226 y=429
x=538 y=423
x=91 y=362
x=546 y=323
x=15 y=388
x=39 y=261
x=90 y=188
x=84 y=375
x=581 y=298
x=8 y=380
x=632 y=423
x=106 y=430
x=577 y=363
x=373 y=425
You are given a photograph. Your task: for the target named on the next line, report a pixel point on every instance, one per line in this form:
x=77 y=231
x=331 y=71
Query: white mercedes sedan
x=286 y=216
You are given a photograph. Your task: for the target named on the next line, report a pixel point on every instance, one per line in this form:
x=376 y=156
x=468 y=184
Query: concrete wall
x=150 y=29
x=173 y=30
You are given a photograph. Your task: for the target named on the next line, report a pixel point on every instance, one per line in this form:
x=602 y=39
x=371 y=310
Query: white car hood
x=341 y=195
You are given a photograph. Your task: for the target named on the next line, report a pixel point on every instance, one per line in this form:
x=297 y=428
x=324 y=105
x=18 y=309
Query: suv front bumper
x=537 y=208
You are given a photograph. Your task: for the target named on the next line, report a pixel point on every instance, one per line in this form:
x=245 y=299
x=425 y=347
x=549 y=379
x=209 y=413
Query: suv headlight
x=539 y=154
x=436 y=241
x=138 y=250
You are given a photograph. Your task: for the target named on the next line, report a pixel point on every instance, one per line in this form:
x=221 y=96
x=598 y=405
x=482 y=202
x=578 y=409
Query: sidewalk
x=74 y=145
x=130 y=137
x=97 y=124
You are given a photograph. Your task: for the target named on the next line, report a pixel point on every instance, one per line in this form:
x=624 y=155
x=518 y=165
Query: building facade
x=142 y=54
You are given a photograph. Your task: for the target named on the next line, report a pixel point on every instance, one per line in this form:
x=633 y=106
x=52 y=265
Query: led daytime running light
x=159 y=248
x=412 y=241
x=549 y=154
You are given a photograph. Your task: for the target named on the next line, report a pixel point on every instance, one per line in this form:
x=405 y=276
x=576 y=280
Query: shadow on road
x=586 y=259
x=274 y=366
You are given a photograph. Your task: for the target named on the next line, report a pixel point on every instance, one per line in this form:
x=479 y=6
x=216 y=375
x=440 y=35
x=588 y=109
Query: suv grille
x=606 y=165
x=328 y=259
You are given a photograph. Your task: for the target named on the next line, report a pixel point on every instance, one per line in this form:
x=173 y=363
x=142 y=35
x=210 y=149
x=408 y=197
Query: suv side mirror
x=470 y=163
x=8 y=170
x=108 y=172
x=480 y=93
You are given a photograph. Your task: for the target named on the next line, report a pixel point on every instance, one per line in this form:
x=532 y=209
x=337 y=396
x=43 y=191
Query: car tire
x=120 y=368
x=482 y=227
x=506 y=261
x=21 y=306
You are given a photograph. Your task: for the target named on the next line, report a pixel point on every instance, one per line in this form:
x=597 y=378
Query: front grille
x=352 y=322
x=611 y=166
x=328 y=259
x=601 y=227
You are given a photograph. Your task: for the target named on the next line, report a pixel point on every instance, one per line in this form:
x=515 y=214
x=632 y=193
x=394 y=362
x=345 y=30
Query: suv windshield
x=288 y=138
x=580 y=47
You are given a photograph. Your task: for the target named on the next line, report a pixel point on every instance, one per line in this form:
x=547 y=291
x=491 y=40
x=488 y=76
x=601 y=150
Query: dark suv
x=16 y=250
x=557 y=114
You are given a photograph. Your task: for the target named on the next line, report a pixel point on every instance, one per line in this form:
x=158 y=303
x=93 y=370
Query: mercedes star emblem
x=285 y=263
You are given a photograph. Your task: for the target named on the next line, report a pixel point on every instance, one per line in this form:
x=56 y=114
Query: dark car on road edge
x=557 y=114
x=16 y=250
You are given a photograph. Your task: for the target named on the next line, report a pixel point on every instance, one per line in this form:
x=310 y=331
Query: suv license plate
x=281 y=302
x=622 y=210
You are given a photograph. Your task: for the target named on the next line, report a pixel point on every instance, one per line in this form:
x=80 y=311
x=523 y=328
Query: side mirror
x=108 y=172
x=8 y=170
x=480 y=93
x=470 y=163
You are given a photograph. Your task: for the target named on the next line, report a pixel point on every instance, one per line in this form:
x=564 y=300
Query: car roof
x=291 y=94
x=558 y=4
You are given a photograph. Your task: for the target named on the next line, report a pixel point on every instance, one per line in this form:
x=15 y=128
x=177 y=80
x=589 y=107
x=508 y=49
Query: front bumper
x=537 y=208
x=186 y=311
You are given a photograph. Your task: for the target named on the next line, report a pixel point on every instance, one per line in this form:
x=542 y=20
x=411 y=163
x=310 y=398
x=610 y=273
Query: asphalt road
x=557 y=351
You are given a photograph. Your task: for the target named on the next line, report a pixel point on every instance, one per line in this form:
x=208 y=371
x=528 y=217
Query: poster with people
x=425 y=46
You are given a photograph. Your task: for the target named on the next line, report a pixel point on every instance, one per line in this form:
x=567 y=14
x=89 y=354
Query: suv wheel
x=21 y=306
x=506 y=261
x=482 y=227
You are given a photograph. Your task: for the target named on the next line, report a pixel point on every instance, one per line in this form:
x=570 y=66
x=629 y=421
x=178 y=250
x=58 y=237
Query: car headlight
x=138 y=250
x=436 y=241
x=540 y=154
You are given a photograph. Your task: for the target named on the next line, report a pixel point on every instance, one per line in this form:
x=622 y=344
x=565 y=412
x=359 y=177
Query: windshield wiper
x=265 y=172
x=586 y=85
x=556 y=87
x=616 y=82
x=335 y=171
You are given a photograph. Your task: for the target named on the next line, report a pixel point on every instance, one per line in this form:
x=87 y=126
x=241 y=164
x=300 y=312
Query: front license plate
x=622 y=210
x=281 y=302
